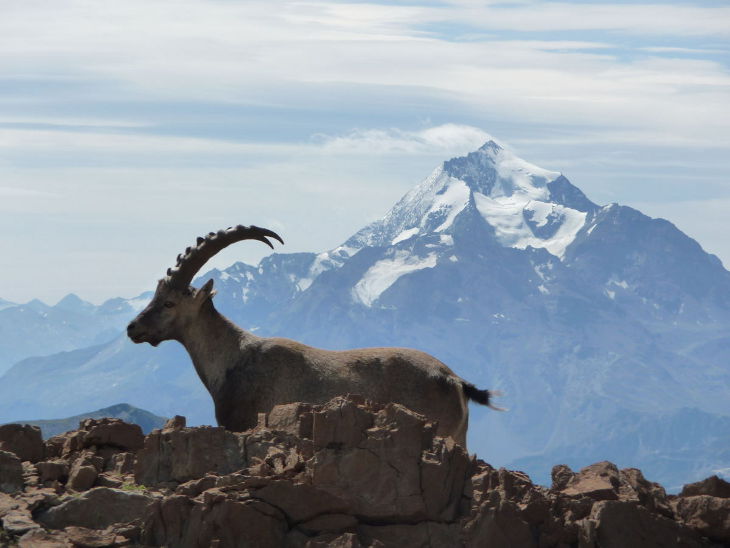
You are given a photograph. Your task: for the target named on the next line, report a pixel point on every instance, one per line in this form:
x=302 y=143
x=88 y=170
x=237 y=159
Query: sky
x=129 y=128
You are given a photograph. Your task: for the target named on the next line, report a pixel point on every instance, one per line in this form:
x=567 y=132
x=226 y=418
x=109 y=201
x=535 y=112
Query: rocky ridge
x=348 y=473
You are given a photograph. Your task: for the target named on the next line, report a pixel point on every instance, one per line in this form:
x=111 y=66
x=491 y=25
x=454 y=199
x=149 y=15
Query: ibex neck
x=212 y=340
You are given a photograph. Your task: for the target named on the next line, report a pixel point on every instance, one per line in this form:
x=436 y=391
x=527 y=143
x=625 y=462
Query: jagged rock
x=713 y=486
x=598 y=481
x=347 y=473
x=175 y=423
x=708 y=515
x=18 y=522
x=23 y=440
x=82 y=477
x=38 y=538
x=561 y=475
x=293 y=418
x=97 y=508
x=56 y=470
x=188 y=453
x=214 y=520
x=618 y=524
x=11 y=472
x=82 y=537
x=112 y=432
x=652 y=496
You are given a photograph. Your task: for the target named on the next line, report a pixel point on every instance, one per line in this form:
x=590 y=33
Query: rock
x=38 y=538
x=340 y=423
x=175 y=423
x=186 y=454
x=708 y=515
x=217 y=520
x=97 y=508
x=346 y=473
x=328 y=523
x=293 y=418
x=650 y=495
x=713 y=486
x=11 y=472
x=82 y=477
x=107 y=480
x=112 y=432
x=618 y=524
x=56 y=470
x=18 y=522
x=598 y=481
x=23 y=440
x=82 y=537
x=561 y=475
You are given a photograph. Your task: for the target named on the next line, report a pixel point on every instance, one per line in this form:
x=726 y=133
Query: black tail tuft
x=481 y=396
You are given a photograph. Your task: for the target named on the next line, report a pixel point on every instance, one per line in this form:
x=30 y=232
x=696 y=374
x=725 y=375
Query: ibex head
x=175 y=303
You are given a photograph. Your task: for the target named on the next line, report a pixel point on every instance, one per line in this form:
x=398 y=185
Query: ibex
x=246 y=374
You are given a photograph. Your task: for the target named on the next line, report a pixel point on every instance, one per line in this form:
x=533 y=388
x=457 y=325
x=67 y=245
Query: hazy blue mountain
x=607 y=329
x=36 y=329
x=146 y=420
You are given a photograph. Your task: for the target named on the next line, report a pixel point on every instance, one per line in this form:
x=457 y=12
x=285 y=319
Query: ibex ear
x=205 y=292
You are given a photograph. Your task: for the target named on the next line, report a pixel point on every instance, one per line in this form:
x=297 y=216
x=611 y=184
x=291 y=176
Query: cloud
x=446 y=139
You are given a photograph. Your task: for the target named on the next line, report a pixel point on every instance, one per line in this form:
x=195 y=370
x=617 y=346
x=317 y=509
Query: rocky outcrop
x=348 y=473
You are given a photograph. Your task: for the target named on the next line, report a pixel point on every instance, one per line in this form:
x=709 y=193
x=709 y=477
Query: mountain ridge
x=583 y=314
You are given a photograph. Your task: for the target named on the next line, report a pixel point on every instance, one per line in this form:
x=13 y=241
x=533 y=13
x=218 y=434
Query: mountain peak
x=524 y=204
x=73 y=302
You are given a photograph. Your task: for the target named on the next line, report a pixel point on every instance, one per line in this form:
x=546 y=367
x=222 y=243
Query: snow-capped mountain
x=595 y=320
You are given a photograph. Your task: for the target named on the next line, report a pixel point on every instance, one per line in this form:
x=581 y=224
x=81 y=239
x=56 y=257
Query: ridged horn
x=190 y=262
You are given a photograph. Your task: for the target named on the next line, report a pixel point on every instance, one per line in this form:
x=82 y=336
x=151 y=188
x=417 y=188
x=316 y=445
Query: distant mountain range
x=608 y=330
x=146 y=420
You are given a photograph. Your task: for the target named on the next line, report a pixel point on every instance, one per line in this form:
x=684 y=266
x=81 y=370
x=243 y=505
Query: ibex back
x=246 y=374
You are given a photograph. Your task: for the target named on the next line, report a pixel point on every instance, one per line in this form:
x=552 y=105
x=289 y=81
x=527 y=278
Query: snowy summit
x=524 y=204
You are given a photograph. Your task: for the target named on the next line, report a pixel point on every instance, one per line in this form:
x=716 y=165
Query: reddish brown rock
x=347 y=473
x=23 y=440
x=97 y=508
x=11 y=472
x=293 y=418
x=82 y=477
x=186 y=454
x=710 y=516
x=619 y=524
x=175 y=423
x=56 y=470
x=712 y=486
x=598 y=481
x=112 y=432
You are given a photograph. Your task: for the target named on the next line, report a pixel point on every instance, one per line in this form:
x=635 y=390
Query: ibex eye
x=169 y=304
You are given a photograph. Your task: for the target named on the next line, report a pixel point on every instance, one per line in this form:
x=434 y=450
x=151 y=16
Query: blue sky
x=128 y=128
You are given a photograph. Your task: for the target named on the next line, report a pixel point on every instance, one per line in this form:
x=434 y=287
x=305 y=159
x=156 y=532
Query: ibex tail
x=481 y=396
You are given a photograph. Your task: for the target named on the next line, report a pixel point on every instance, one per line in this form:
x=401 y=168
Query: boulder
x=81 y=477
x=55 y=470
x=712 y=486
x=618 y=524
x=11 y=472
x=186 y=454
x=23 y=440
x=112 y=432
x=708 y=515
x=97 y=508
x=598 y=481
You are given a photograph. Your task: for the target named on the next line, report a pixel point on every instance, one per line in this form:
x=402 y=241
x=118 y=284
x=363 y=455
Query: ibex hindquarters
x=247 y=375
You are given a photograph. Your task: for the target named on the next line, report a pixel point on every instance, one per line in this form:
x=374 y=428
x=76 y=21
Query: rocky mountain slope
x=607 y=329
x=347 y=473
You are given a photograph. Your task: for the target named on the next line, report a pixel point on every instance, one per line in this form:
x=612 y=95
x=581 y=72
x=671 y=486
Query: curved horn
x=193 y=259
